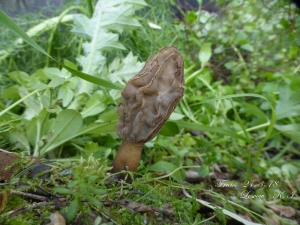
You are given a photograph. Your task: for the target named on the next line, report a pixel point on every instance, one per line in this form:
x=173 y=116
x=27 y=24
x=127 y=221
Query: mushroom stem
x=128 y=157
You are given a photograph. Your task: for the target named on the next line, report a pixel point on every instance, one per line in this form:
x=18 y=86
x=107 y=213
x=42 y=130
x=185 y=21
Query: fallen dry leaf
x=285 y=211
x=272 y=219
x=3 y=200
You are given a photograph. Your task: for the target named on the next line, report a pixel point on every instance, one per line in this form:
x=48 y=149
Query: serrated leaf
x=123 y=70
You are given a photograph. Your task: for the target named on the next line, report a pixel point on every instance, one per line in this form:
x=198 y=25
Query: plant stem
x=128 y=157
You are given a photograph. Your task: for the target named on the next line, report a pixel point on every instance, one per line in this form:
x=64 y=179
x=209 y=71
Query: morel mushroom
x=147 y=101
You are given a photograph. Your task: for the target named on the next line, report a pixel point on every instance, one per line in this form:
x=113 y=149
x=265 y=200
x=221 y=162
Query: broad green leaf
x=203 y=170
x=33 y=105
x=169 y=129
x=167 y=167
x=19 y=77
x=176 y=116
x=11 y=92
x=72 y=210
x=73 y=82
x=248 y=47
x=98 y=128
x=96 y=104
x=205 y=54
x=92 y=178
x=290 y=130
x=34 y=129
x=19 y=140
x=51 y=72
x=108 y=115
x=289 y=170
x=66 y=94
x=288 y=104
x=56 y=82
x=68 y=123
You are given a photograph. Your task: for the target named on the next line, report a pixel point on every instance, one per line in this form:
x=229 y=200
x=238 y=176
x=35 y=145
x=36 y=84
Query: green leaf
x=56 y=82
x=92 y=178
x=93 y=200
x=169 y=129
x=290 y=130
x=64 y=191
x=167 y=167
x=68 y=123
x=19 y=77
x=96 y=104
x=108 y=116
x=11 y=92
x=66 y=94
x=203 y=170
x=72 y=210
x=6 y=21
x=34 y=131
x=163 y=166
x=97 y=191
x=33 y=105
x=51 y=73
x=98 y=128
x=205 y=53
x=288 y=104
x=247 y=47
x=19 y=140
x=289 y=170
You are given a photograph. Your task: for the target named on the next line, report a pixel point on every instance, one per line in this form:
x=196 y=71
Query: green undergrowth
x=84 y=187
x=237 y=127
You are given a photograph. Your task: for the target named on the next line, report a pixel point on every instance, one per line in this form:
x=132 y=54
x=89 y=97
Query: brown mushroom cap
x=150 y=97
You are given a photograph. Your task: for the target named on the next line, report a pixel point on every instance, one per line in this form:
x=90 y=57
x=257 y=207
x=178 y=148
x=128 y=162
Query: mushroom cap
x=151 y=96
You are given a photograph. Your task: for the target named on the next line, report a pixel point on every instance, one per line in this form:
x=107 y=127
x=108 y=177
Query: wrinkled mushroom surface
x=147 y=101
x=151 y=96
